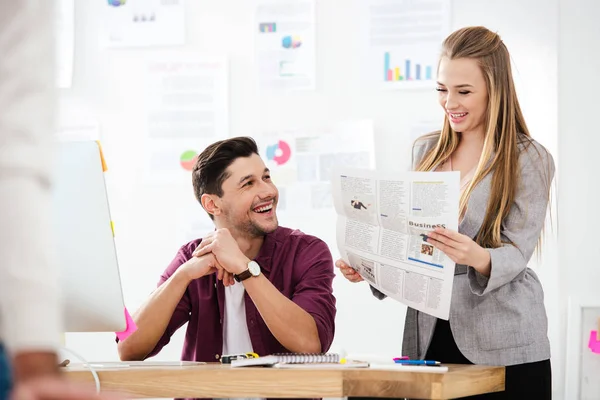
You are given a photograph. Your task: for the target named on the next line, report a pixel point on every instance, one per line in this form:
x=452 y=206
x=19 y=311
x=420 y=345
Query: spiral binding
x=307 y=358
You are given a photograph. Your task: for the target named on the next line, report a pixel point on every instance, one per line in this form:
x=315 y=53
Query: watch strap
x=243 y=276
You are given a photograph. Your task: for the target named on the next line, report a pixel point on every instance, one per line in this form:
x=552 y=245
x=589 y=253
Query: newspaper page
x=383 y=220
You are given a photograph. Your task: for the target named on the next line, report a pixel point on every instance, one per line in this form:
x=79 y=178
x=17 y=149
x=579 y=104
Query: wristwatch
x=253 y=270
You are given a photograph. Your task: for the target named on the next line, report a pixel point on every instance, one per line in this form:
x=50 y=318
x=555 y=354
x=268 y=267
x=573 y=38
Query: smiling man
x=248 y=286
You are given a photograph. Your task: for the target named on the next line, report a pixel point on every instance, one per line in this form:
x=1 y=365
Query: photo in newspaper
x=382 y=226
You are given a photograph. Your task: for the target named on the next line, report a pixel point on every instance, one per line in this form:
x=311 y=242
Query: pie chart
x=280 y=152
x=188 y=159
x=291 y=42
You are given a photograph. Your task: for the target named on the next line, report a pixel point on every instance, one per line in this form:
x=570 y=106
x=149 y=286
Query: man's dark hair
x=210 y=170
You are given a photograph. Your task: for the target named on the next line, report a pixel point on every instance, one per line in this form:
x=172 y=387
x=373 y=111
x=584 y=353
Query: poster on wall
x=285 y=44
x=142 y=23
x=401 y=41
x=186 y=104
x=301 y=161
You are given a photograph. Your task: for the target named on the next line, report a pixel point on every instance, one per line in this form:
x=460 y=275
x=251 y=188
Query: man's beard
x=251 y=229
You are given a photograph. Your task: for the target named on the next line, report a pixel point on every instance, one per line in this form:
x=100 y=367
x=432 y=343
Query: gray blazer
x=500 y=320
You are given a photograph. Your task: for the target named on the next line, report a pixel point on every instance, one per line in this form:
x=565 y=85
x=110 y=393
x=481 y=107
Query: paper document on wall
x=301 y=161
x=401 y=41
x=142 y=23
x=186 y=96
x=285 y=44
x=186 y=105
x=382 y=218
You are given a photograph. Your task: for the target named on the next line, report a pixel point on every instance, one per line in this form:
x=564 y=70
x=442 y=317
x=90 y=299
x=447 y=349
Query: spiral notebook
x=291 y=360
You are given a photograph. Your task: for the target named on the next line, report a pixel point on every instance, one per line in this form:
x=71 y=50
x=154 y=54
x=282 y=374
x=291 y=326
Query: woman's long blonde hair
x=504 y=128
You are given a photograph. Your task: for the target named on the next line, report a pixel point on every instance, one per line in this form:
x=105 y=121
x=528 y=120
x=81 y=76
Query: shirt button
x=217 y=356
x=252 y=322
x=220 y=321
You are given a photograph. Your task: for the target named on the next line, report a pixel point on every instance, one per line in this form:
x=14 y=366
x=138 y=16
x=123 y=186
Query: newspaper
x=383 y=220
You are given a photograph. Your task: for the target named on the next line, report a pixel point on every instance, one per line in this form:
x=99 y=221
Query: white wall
x=107 y=84
x=579 y=102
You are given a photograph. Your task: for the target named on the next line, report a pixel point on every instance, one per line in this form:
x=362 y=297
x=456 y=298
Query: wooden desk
x=220 y=381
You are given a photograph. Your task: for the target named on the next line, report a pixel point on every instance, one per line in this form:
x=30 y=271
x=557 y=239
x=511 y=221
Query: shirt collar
x=265 y=254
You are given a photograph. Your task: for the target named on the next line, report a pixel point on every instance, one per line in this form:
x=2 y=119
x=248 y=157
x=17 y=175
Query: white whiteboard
x=589 y=364
x=582 y=366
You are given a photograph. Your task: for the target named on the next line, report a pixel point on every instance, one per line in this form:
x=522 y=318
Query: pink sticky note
x=594 y=344
x=129 y=329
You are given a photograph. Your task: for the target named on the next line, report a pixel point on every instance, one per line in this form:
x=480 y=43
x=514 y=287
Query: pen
x=417 y=362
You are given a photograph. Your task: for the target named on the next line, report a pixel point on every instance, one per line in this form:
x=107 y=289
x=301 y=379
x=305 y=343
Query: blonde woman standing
x=497 y=316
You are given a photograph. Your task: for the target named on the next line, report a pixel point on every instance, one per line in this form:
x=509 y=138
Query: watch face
x=254 y=268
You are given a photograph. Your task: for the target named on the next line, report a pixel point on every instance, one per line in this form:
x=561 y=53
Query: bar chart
x=267 y=27
x=407 y=70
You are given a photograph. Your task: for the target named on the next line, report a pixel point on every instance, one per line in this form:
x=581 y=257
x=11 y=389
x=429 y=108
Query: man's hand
x=32 y=364
x=199 y=266
x=56 y=388
x=226 y=250
x=37 y=377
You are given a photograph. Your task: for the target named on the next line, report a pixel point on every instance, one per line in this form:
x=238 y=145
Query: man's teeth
x=458 y=115
x=264 y=209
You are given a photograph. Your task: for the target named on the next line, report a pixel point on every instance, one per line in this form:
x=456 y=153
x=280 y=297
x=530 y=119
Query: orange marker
x=104 y=167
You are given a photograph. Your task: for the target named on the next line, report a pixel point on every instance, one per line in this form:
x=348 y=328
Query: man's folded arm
x=314 y=292
x=167 y=309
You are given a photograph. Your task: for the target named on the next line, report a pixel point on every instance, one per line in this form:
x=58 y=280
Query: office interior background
x=555 y=50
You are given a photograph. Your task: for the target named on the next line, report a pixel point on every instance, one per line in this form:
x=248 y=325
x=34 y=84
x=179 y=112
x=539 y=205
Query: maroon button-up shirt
x=299 y=265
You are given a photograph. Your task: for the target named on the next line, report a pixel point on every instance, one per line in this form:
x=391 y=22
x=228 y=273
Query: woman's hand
x=348 y=272
x=461 y=249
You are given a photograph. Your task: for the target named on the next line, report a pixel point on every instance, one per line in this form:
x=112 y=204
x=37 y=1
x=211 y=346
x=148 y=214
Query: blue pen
x=417 y=362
